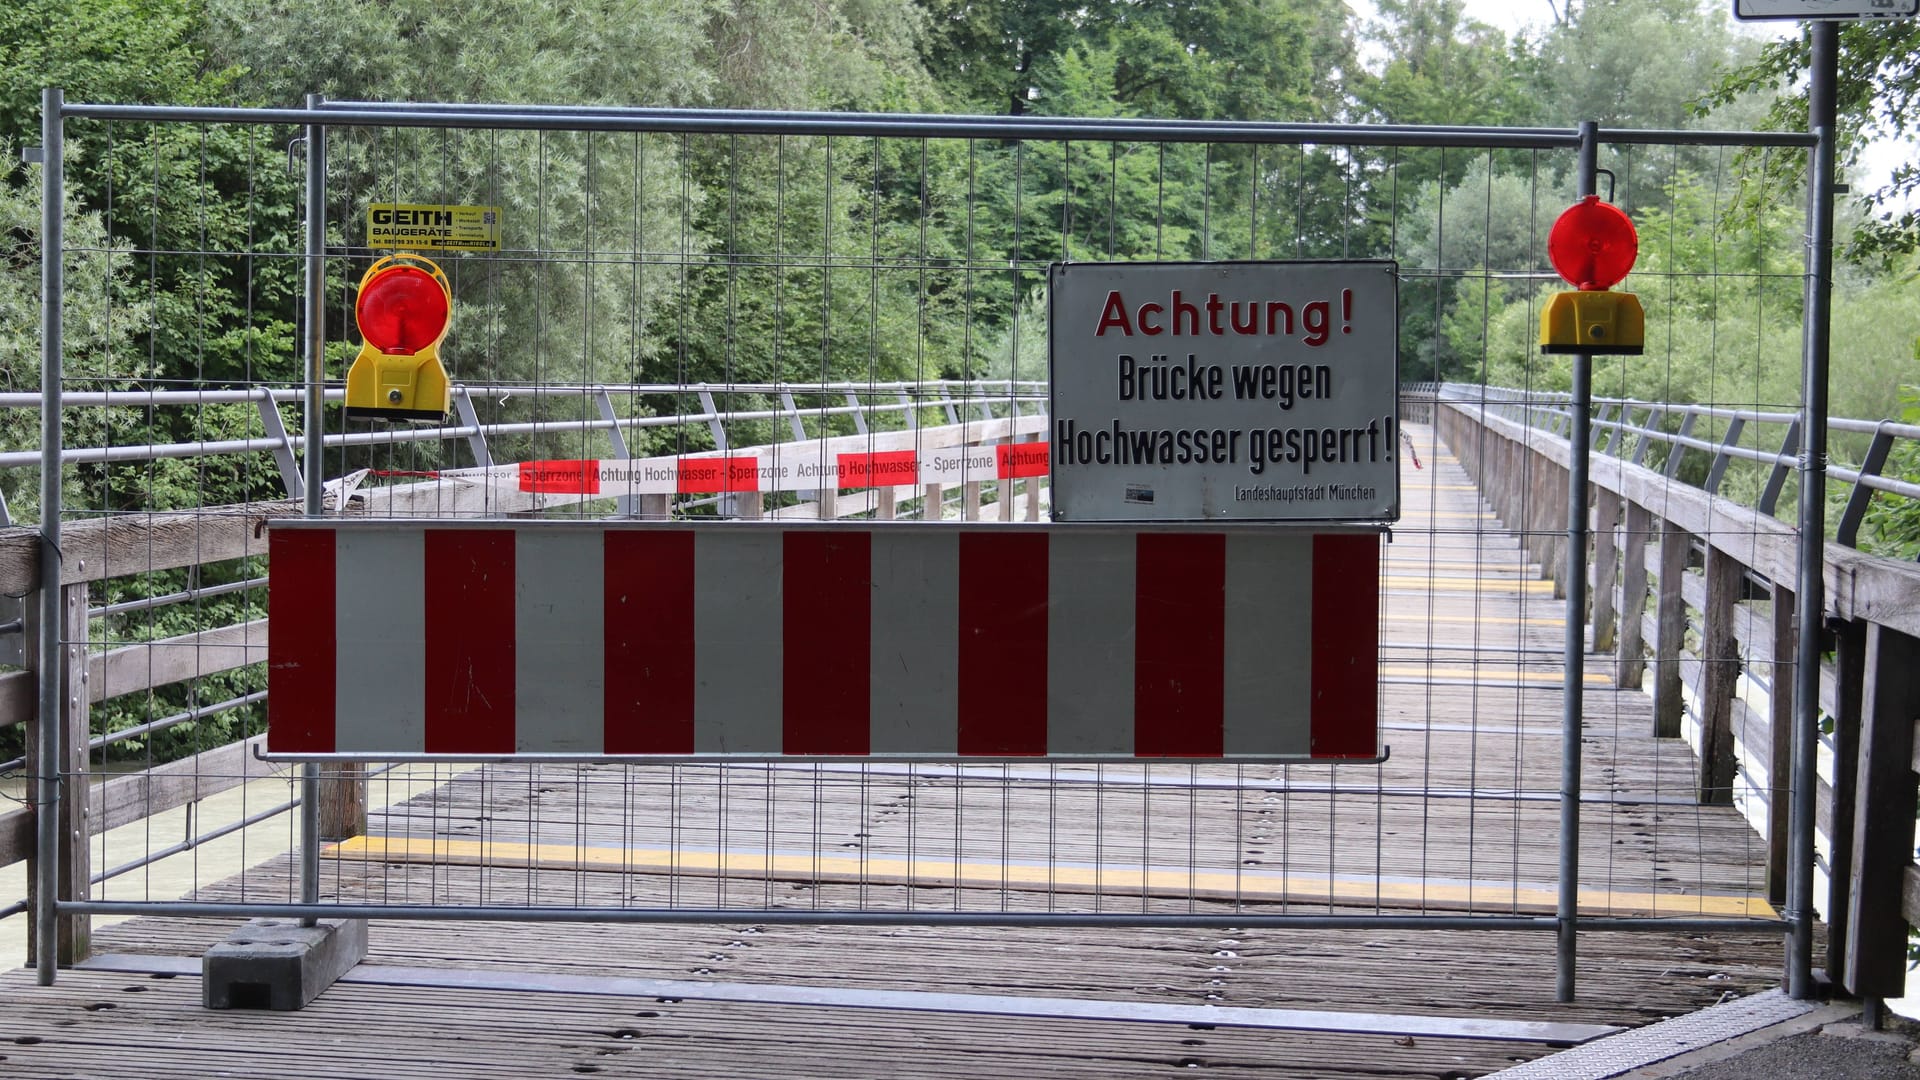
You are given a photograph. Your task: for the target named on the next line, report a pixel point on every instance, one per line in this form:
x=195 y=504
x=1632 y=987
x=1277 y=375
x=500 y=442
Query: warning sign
x=423 y=226
x=1249 y=391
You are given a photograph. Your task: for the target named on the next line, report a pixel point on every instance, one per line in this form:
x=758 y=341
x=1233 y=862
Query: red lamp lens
x=402 y=310
x=1593 y=245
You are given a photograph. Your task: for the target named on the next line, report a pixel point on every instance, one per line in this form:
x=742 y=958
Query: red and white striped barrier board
x=596 y=640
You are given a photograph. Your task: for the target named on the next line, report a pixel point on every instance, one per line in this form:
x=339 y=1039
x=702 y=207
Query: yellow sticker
x=420 y=226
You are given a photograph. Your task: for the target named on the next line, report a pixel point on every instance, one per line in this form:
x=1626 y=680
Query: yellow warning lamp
x=404 y=309
x=1593 y=245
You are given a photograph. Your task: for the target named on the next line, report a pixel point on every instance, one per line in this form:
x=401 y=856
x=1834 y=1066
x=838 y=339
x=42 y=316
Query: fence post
x=1606 y=565
x=1719 y=674
x=314 y=340
x=1883 y=827
x=343 y=801
x=1822 y=181
x=1670 y=627
x=49 y=685
x=930 y=509
x=1631 y=666
x=1574 y=669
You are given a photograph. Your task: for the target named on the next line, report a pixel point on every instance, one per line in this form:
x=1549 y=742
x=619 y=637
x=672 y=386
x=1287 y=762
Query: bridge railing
x=1692 y=594
x=1671 y=438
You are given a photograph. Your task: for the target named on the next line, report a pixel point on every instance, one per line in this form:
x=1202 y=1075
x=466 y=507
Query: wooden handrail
x=1871 y=692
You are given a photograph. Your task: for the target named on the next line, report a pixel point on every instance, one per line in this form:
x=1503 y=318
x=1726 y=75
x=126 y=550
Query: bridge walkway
x=1461 y=819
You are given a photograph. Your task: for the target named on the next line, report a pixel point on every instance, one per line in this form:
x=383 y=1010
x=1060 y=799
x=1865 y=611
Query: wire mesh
x=660 y=293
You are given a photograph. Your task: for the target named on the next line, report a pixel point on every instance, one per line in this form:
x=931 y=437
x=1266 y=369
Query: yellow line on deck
x=1250 y=886
x=1488 y=675
x=1468 y=620
x=1413 y=562
x=1467 y=584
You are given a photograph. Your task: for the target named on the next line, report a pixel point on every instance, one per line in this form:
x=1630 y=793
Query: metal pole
x=312 y=432
x=1574 y=679
x=52 y=685
x=1810 y=604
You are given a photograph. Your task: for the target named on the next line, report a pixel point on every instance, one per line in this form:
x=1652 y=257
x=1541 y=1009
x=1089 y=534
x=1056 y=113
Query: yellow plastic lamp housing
x=1595 y=322
x=404 y=311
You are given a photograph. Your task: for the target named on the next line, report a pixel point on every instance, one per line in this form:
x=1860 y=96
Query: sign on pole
x=1224 y=391
x=433 y=227
x=1825 y=9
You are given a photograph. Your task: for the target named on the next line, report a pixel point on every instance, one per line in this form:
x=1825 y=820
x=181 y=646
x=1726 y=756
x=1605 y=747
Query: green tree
x=1210 y=59
x=98 y=50
x=1876 y=95
x=1634 y=63
x=1442 y=67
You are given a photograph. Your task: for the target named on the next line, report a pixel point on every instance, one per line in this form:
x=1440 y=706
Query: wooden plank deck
x=1461 y=818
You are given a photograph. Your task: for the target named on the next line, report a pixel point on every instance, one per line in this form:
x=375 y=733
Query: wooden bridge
x=1418 y=886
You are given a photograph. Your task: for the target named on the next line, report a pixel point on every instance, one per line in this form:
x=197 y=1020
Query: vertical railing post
x=1606 y=565
x=1883 y=826
x=75 y=725
x=1669 y=631
x=275 y=429
x=1849 y=681
x=1630 y=668
x=68 y=729
x=1579 y=446
x=1656 y=421
x=1777 y=477
x=1033 y=489
x=1811 y=591
x=51 y=685
x=617 y=438
x=1631 y=665
x=469 y=418
x=1676 y=451
x=1717 y=471
x=1719 y=678
x=1846 y=532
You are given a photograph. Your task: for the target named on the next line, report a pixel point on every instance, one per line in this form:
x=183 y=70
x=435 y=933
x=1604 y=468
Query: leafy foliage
x=668 y=257
x=1892 y=525
x=1876 y=92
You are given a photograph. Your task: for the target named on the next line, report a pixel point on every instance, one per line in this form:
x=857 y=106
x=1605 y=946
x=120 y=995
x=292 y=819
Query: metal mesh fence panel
x=670 y=285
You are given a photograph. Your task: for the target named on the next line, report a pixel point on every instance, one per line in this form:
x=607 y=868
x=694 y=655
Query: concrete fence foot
x=279 y=964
